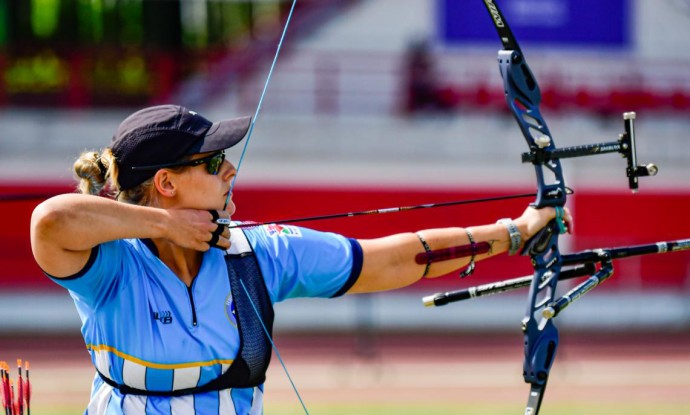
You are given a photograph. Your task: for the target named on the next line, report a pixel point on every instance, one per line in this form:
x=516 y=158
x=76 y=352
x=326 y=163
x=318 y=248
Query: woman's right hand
x=195 y=229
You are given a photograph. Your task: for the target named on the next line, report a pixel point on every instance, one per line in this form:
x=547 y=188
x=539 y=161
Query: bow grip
x=540 y=241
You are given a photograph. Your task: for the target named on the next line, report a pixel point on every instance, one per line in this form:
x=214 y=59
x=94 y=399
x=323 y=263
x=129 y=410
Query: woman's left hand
x=533 y=220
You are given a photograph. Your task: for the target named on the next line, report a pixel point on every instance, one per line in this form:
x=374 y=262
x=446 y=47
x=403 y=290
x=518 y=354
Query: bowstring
x=232 y=185
x=261 y=100
x=275 y=348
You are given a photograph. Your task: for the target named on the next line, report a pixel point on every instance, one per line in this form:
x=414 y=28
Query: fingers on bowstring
x=220 y=217
x=221 y=234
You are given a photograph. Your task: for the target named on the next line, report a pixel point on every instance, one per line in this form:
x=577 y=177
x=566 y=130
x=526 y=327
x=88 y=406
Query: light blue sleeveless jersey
x=145 y=328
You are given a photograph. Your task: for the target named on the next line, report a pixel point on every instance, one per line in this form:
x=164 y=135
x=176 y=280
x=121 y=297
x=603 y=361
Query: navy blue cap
x=166 y=134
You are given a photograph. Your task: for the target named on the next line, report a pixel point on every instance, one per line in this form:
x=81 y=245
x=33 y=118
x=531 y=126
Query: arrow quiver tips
x=16 y=396
x=628 y=151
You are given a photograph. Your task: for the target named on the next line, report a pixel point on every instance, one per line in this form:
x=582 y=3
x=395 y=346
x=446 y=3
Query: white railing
x=354 y=83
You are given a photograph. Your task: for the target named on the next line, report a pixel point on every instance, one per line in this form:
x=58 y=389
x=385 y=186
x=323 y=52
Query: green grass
x=479 y=409
x=438 y=409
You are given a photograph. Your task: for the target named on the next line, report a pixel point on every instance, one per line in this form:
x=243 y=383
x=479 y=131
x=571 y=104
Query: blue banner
x=578 y=23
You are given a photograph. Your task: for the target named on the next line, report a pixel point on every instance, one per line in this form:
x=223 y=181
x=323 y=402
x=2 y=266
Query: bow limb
x=541 y=334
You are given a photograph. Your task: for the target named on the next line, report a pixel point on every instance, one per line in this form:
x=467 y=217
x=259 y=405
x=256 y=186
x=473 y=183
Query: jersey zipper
x=191 y=302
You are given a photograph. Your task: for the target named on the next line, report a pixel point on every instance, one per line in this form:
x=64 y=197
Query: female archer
x=173 y=301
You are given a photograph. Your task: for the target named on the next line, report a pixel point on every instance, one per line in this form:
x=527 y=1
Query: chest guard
x=252 y=302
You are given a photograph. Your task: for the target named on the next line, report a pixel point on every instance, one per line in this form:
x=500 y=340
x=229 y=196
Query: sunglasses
x=213 y=163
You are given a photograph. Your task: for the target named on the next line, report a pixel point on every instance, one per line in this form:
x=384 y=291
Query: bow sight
x=625 y=145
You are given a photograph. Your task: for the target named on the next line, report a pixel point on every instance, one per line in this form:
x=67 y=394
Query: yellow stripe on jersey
x=110 y=349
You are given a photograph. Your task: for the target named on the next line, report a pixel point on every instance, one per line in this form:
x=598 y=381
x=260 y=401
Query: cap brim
x=225 y=134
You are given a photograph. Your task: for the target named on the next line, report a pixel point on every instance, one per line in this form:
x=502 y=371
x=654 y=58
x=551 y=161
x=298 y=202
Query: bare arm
x=389 y=261
x=65 y=228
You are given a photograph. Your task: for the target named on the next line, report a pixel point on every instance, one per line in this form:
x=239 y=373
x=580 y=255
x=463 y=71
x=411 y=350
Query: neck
x=183 y=262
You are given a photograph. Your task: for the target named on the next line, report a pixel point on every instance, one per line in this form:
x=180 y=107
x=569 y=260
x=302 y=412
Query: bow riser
x=540 y=334
x=523 y=97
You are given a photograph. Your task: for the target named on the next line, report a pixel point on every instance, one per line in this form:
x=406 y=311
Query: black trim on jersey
x=81 y=272
x=357 y=260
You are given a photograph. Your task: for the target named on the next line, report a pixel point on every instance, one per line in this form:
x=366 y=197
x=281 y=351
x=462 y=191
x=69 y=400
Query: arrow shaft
x=385 y=210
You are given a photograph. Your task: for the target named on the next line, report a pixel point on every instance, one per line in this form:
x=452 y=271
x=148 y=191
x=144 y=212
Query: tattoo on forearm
x=491 y=246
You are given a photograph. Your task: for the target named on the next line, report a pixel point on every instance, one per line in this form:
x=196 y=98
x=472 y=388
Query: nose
x=228 y=170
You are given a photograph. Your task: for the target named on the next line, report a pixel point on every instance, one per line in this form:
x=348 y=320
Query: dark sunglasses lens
x=213 y=165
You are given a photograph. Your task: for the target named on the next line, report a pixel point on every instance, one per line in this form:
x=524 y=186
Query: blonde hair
x=97 y=175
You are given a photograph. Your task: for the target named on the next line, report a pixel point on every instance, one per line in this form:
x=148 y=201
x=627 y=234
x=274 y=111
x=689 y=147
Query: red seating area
x=602 y=102
x=598 y=225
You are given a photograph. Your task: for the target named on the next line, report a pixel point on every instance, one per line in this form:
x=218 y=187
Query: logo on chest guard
x=164 y=317
x=230 y=310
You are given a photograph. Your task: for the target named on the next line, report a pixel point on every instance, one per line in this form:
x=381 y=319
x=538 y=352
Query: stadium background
x=340 y=131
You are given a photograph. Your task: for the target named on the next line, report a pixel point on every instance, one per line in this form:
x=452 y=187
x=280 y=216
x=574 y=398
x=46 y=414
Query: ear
x=165 y=183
